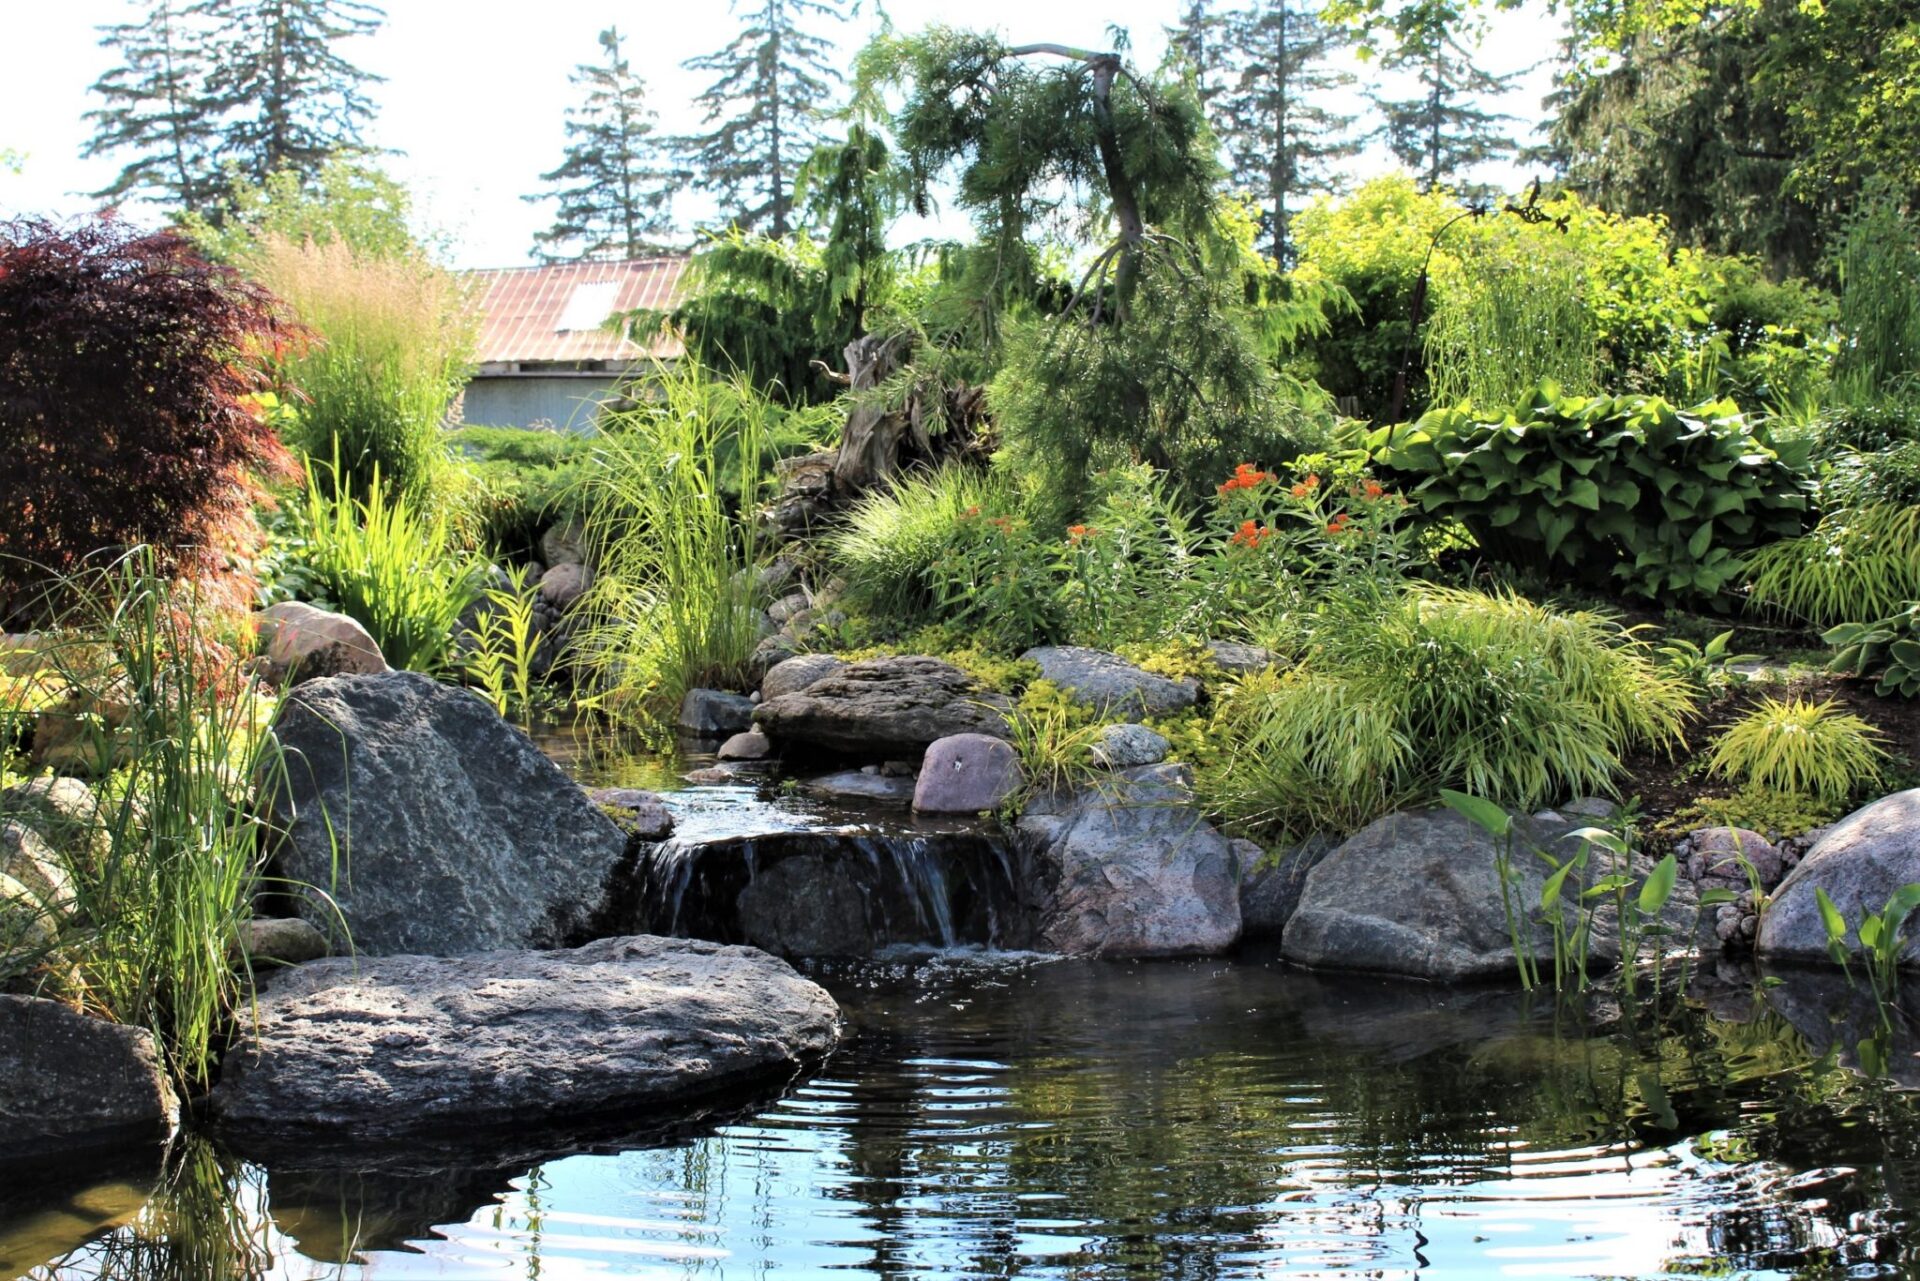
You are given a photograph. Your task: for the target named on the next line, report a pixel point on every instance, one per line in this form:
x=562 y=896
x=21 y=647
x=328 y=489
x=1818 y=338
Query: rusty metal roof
x=557 y=312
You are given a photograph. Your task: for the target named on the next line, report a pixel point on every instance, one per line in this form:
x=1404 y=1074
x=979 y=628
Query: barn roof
x=559 y=312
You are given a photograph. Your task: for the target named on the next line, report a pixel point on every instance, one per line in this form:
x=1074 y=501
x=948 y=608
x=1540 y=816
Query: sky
x=475 y=92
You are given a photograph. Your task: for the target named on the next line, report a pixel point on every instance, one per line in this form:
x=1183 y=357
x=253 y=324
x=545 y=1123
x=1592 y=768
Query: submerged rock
x=1110 y=684
x=69 y=1082
x=381 y=1047
x=1419 y=894
x=967 y=774
x=449 y=831
x=1860 y=862
x=301 y=642
x=860 y=786
x=641 y=814
x=1130 y=868
x=883 y=708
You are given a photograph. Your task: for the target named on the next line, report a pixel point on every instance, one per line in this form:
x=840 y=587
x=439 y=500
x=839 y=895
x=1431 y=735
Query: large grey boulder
x=300 y=642
x=1860 y=862
x=1125 y=746
x=714 y=713
x=1129 y=868
x=1110 y=684
x=798 y=672
x=380 y=1047
x=452 y=832
x=68 y=1081
x=967 y=774
x=882 y=709
x=1418 y=894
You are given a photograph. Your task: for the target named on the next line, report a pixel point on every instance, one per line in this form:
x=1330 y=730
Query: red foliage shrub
x=128 y=370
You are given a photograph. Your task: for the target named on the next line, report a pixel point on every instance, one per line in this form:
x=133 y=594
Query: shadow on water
x=1000 y=1115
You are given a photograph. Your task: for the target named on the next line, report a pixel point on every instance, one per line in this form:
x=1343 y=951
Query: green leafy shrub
x=1129 y=572
x=1662 y=500
x=1490 y=694
x=524 y=480
x=1886 y=652
x=394 y=336
x=391 y=567
x=1810 y=748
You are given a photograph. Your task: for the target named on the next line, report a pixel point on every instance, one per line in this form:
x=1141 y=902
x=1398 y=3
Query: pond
x=1011 y=1115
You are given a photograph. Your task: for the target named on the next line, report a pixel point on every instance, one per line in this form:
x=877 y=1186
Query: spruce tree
x=1445 y=131
x=1195 y=37
x=612 y=189
x=1270 y=112
x=283 y=97
x=155 y=110
x=774 y=79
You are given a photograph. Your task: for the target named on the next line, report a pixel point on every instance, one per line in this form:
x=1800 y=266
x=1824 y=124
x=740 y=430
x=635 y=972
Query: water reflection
x=1010 y=1116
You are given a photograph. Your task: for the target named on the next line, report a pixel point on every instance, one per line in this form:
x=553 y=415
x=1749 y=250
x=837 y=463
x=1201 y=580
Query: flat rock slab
x=1110 y=684
x=69 y=1082
x=883 y=709
x=437 y=827
x=380 y=1047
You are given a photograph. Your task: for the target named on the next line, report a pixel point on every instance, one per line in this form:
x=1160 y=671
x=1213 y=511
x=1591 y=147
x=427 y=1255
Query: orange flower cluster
x=1245 y=476
x=1077 y=534
x=1373 y=490
x=1339 y=525
x=1249 y=535
x=1306 y=486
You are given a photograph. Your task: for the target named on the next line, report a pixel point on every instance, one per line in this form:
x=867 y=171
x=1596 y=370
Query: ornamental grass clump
x=1436 y=688
x=160 y=892
x=675 y=601
x=1801 y=747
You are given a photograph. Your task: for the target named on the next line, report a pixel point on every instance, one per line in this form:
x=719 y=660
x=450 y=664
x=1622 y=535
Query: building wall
x=568 y=402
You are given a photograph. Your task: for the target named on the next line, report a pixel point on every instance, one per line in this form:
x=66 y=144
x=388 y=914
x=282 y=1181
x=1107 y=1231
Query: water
x=1007 y=1115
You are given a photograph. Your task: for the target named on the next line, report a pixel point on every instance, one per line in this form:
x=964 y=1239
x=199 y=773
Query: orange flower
x=1249 y=534
x=1245 y=476
x=970 y=512
x=1076 y=534
x=1374 y=490
x=1339 y=525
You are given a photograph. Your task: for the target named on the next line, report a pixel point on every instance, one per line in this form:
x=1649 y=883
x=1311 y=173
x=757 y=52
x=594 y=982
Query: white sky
x=476 y=90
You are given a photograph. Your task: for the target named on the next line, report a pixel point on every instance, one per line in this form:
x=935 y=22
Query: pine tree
x=613 y=191
x=1195 y=36
x=1444 y=132
x=155 y=110
x=283 y=97
x=1281 y=138
x=774 y=78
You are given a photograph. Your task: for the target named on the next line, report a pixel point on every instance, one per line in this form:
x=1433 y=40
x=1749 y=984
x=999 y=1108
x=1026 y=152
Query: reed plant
x=150 y=690
x=675 y=601
x=500 y=652
x=899 y=544
x=390 y=566
x=1509 y=325
x=1879 y=269
x=393 y=339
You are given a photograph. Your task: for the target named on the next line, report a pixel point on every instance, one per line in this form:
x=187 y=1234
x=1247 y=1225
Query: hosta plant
x=1886 y=652
x=1662 y=500
x=1800 y=746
